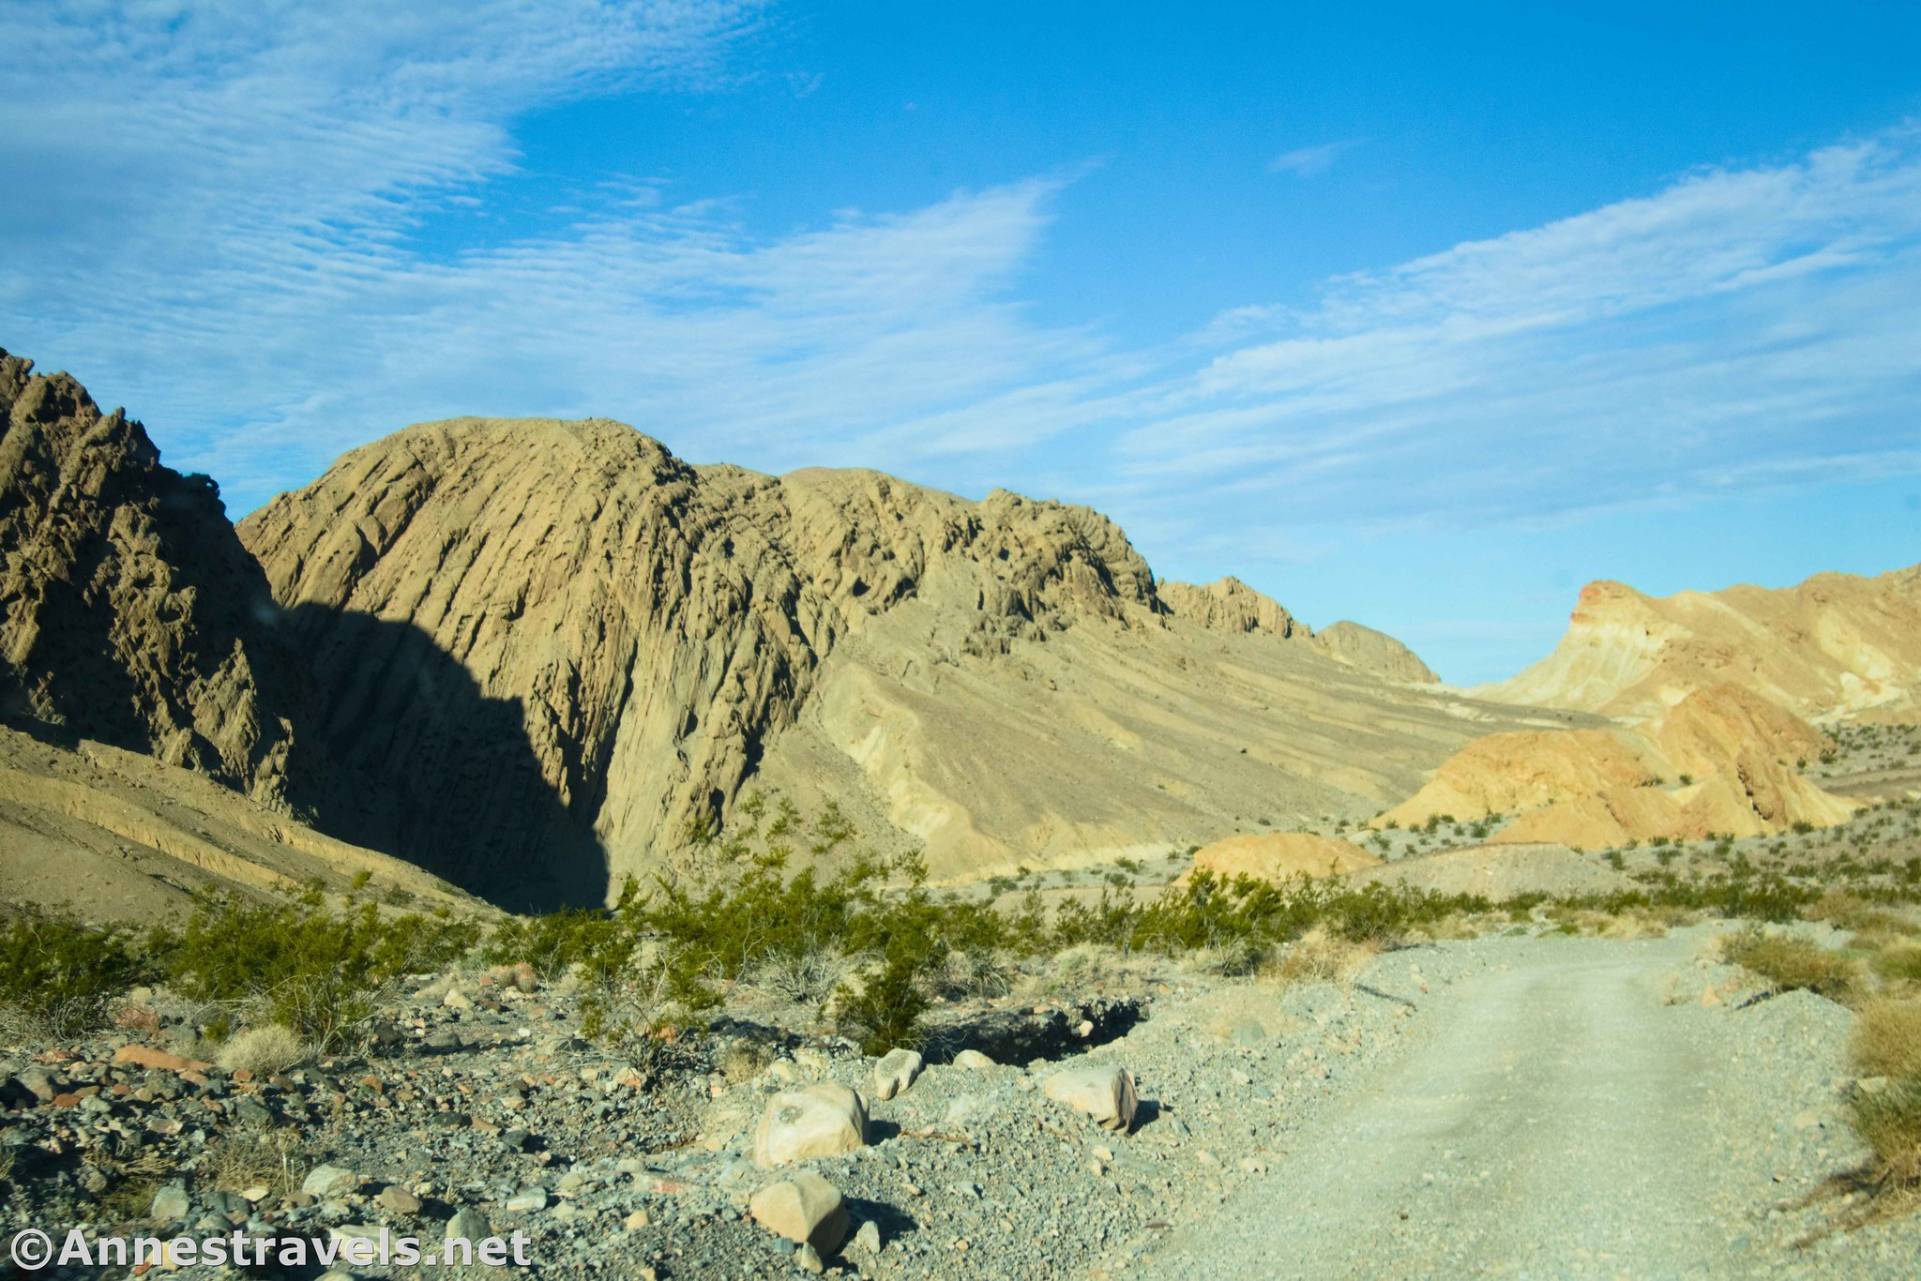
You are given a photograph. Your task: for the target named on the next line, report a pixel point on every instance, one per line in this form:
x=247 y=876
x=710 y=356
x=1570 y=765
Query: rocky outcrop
x=1229 y=605
x=567 y=650
x=129 y=611
x=1835 y=644
x=1375 y=652
x=1278 y=857
x=1725 y=760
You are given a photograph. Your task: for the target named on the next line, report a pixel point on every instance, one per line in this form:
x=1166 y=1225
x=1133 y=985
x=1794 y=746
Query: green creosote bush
x=61 y=975
x=313 y=970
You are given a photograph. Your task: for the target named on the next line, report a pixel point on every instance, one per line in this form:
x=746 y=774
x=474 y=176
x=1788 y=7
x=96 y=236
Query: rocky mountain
x=567 y=648
x=1229 y=605
x=1835 y=644
x=129 y=611
x=1723 y=760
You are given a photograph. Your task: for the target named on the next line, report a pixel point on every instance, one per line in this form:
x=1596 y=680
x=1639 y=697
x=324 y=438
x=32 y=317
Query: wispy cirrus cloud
x=1738 y=328
x=217 y=215
x=1312 y=162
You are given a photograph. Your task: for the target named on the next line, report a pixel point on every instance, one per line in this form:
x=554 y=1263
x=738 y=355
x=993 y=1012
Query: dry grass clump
x=1846 y=911
x=1887 y=1038
x=1628 y=923
x=1320 y=956
x=263 y=1050
x=1890 y=1120
x=1790 y=963
x=246 y=1161
x=1900 y=963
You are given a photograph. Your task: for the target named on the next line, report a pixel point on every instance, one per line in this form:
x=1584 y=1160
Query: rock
x=325 y=1181
x=36 y=1083
x=170 y=1204
x=972 y=1060
x=806 y=1209
x=1104 y=1091
x=808 y=1259
x=895 y=1071
x=468 y=1224
x=398 y=1200
x=817 y=1120
x=457 y=1000
x=527 y=1201
x=146 y=1056
x=635 y=1221
x=867 y=1238
x=134 y=615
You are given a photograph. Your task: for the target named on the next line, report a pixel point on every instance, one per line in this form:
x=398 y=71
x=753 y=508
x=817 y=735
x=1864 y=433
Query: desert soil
x=1568 y=1112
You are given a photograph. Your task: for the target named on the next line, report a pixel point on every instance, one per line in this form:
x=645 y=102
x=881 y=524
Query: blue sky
x=1419 y=315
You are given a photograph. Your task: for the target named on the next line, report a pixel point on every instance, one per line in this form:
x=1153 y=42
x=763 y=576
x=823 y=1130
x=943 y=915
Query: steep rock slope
x=1375 y=652
x=129 y=612
x=565 y=646
x=1229 y=605
x=1723 y=760
x=1835 y=644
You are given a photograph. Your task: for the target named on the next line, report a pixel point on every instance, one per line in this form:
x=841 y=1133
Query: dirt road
x=1565 y=1114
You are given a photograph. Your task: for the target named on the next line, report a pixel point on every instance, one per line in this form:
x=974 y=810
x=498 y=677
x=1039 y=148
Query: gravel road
x=1562 y=1114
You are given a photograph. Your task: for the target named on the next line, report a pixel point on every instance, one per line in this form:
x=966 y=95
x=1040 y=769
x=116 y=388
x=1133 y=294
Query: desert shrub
x=1890 y=1121
x=263 y=1050
x=1887 y=1038
x=270 y=1156
x=312 y=970
x=554 y=942
x=59 y=975
x=1900 y=963
x=885 y=1010
x=1319 y=956
x=1790 y=963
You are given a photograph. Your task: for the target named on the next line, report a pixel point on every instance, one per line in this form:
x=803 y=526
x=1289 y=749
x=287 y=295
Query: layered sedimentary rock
x=1835 y=644
x=1724 y=760
x=566 y=647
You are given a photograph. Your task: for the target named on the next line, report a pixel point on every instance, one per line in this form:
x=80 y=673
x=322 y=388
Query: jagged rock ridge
x=990 y=681
x=129 y=611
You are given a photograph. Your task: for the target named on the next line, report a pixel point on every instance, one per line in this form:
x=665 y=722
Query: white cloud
x=1311 y=162
x=215 y=216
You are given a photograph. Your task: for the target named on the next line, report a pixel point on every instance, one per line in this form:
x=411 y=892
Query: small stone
x=972 y=1060
x=867 y=1239
x=635 y=1221
x=146 y=1056
x=527 y=1201
x=468 y=1224
x=806 y=1209
x=171 y=1204
x=1103 y=1091
x=398 y=1200
x=807 y=1259
x=895 y=1071
x=325 y=1181
x=457 y=1000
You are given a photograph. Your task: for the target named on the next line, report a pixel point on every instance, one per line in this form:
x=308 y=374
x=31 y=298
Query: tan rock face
x=565 y=648
x=1375 y=652
x=1833 y=644
x=818 y=1120
x=1277 y=857
x=1724 y=760
x=129 y=612
x=1229 y=605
